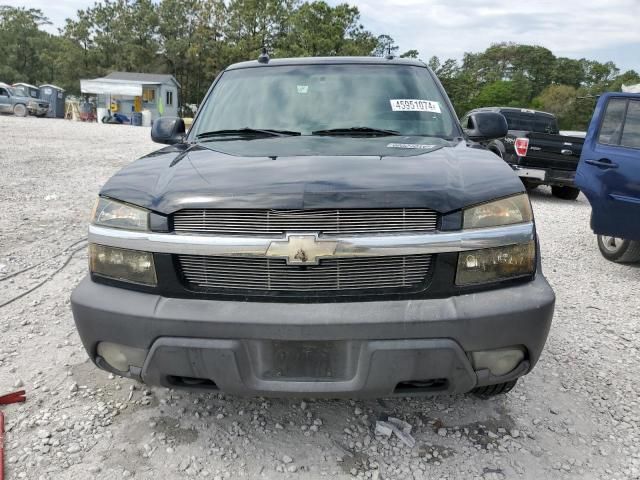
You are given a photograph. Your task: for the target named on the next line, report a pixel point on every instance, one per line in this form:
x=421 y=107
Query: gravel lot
x=576 y=416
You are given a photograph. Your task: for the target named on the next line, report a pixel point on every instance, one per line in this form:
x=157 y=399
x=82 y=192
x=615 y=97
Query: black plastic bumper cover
x=383 y=343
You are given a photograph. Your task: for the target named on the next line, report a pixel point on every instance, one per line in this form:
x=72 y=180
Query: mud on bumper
x=364 y=349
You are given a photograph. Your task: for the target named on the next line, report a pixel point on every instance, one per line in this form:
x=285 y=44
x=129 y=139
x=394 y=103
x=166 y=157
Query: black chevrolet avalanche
x=325 y=228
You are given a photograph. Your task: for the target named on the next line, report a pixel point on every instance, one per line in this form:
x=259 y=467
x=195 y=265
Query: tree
x=410 y=54
x=317 y=29
x=630 y=77
x=253 y=24
x=568 y=71
x=190 y=34
x=559 y=100
x=385 y=46
x=599 y=75
x=22 y=43
x=501 y=93
x=195 y=39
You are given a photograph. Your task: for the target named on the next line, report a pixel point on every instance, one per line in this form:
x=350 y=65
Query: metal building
x=129 y=92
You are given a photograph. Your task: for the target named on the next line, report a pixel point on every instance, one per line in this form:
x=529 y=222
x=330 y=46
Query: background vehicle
x=12 y=101
x=609 y=175
x=546 y=157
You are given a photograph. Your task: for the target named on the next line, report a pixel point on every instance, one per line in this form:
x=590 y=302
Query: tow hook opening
x=191 y=382
x=419 y=386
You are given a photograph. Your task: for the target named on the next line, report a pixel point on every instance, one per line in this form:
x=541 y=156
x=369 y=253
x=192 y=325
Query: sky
x=594 y=29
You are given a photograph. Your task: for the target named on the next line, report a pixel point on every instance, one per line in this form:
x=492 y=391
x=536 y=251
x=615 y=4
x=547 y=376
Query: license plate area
x=531 y=173
x=319 y=361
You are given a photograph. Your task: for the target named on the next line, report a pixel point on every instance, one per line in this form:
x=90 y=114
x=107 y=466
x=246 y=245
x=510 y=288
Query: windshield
x=531 y=122
x=315 y=98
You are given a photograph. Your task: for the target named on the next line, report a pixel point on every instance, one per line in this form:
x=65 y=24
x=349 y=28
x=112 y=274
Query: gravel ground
x=575 y=416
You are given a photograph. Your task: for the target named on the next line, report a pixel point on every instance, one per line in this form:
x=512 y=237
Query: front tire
x=20 y=110
x=489 y=391
x=618 y=249
x=565 y=193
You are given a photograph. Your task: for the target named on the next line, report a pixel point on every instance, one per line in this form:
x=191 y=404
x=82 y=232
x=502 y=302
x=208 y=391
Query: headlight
x=122 y=264
x=109 y=213
x=499 y=263
x=507 y=211
x=493 y=264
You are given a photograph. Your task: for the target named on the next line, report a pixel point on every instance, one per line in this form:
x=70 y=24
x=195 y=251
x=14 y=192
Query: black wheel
x=20 y=110
x=493 y=390
x=529 y=185
x=496 y=151
x=565 y=193
x=618 y=249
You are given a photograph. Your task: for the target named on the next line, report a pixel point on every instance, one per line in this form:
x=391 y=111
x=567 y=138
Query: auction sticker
x=414 y=105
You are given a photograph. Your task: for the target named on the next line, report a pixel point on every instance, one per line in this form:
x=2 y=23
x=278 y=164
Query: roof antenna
x=389 y=55
x=264 y=56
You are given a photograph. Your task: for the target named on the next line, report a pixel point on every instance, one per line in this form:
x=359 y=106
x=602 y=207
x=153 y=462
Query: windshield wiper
x=356 y=131
x=248 y=132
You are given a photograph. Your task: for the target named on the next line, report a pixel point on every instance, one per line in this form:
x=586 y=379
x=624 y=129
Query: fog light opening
x=121 y=357
x=499 y=362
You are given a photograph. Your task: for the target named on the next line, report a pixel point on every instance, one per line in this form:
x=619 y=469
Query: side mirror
x=168 y=130
x=481 y=126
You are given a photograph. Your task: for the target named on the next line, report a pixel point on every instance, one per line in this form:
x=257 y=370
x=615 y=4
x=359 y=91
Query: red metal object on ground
x=15 y=397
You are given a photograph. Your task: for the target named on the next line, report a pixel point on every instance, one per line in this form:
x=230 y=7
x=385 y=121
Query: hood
x=25 y=99
x=315 y=172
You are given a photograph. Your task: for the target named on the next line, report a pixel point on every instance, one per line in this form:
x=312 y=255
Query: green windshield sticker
x=303 y=88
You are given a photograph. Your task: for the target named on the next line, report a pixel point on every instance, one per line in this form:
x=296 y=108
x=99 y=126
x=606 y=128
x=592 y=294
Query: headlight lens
x=493 y=264
x=109 y=213
x=122 y=264
x=507 y=211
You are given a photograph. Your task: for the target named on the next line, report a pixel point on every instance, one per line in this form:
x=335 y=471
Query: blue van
x=609 y=175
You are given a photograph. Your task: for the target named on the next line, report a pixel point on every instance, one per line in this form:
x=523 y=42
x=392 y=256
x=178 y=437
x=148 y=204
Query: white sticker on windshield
x=413 y=105
x=411 y=145
x=303 y=88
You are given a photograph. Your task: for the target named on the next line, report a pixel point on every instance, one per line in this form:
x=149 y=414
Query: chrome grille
x=328 y=221
x=268 y=274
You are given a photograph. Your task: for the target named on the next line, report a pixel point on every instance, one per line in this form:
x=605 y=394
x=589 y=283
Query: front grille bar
x=266 y=274
x=345 y=246
x=253 y=222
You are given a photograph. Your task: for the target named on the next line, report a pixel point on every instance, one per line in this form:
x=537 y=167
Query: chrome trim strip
x=347 y=246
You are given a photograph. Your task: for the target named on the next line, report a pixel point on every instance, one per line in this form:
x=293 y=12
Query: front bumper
x=370 y=348
x=38 y=111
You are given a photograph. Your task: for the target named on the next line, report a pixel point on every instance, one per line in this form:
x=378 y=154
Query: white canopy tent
x=631 y=88
x=107 y=86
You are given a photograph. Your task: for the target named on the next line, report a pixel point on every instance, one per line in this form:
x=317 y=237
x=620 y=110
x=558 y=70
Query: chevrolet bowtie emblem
x=302 y=249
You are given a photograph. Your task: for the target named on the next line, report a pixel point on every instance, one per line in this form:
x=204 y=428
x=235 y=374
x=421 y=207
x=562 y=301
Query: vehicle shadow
x=543 y=193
